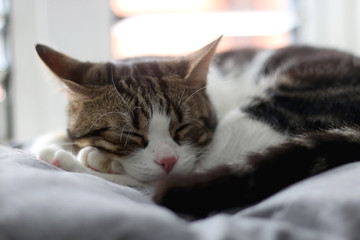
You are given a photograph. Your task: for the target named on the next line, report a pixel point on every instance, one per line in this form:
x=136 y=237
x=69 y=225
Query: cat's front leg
x=93 y=158
x=68 y=162
x=98 y=164
x=61 y=159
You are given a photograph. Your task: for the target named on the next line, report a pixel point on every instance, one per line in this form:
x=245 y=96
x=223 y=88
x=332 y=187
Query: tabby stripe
x=117 y=154
x=278 y=167
x=151 y=84
x=92 y=133
x=156 y=70
x=122 y=90
x=179 y=114
x=169 y=102
x=285 y=55
x=135 y=115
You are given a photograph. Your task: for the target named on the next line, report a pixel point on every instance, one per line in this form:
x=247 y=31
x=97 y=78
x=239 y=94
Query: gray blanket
x=40 y=201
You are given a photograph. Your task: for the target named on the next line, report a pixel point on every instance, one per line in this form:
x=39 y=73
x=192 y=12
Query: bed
x=40 y=201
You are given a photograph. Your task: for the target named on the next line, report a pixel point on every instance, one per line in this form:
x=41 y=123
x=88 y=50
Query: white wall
x=80 y=28
x=330 y=23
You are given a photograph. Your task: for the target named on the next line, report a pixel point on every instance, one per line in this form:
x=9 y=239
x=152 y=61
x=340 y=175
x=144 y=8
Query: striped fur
x=310 y=96
x=243 y=125
x=314 y=89
x=113 y=105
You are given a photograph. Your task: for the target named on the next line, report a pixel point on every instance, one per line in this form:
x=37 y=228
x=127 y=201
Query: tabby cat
x=209 y=131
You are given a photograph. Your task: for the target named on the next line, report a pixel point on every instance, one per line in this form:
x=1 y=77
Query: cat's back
x=230 y=78
x=294 y=89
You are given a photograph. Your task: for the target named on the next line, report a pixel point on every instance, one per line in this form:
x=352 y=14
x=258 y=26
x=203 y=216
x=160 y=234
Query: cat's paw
x=47 y=154
x=67 y=161
x=60 y=158
x=93 y=158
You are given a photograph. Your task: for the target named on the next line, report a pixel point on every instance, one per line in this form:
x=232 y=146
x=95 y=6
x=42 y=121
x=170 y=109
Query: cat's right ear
x=200 y=63
x=69 y=70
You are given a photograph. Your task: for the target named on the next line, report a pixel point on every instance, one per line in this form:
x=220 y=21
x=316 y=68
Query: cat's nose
x=167 y=163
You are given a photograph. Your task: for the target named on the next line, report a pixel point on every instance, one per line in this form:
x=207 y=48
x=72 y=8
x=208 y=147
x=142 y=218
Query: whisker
x=200 y=124
x=192 y=95
x=117 y=90
x=103 y=115
x=181 y=98
x=127 y=138
x=122 y=131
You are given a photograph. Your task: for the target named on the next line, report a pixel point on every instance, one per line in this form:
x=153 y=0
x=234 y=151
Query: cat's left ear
x=200 y=63
x=76 y=75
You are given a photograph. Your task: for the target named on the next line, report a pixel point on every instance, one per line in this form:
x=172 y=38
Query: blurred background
x=100 y=30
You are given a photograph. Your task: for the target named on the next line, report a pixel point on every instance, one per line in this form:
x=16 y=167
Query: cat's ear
x=200 y=63
x=69 y=70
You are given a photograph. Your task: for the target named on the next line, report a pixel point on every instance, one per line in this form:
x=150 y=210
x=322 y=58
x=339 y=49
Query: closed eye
x=140 y=139
x=92 y=133
x=180 y=132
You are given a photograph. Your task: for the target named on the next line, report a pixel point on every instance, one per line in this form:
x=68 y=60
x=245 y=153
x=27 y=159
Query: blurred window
x=162 y=27
x=5 y=107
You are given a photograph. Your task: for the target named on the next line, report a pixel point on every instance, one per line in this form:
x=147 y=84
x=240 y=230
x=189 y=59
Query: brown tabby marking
x=309 y=95
x=110 y=104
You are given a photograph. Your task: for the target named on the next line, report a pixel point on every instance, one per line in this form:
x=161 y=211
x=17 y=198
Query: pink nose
x=167 y=163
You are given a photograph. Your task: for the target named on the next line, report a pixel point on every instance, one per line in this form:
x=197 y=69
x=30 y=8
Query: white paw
x=60 y=158
x=65 y=160
x=48 y=154
x=95 y=159
x=91 y=156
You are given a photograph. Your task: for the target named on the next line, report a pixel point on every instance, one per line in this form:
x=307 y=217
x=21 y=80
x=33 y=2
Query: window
x=5 y=110
x=179 y=26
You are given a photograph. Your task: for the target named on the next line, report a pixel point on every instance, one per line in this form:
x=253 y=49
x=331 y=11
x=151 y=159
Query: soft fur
x=212 y=131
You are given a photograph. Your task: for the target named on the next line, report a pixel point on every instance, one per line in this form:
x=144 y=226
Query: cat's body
x=229 y=131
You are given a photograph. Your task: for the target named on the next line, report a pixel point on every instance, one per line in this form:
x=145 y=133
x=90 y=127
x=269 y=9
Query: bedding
x=40 y=201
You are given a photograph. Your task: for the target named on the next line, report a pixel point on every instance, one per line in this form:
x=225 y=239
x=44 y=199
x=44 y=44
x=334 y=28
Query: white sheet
x=39 y=201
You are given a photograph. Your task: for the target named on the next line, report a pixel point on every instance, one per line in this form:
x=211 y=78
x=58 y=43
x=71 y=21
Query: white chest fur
x=237 y=134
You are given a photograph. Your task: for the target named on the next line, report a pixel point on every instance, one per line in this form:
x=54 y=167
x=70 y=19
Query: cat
x=210 y=131
x=134 y=121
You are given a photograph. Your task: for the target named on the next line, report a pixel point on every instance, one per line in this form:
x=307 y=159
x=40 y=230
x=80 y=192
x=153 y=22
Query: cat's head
x=149 y=114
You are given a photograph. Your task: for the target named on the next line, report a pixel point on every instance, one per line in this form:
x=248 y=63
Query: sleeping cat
x=210 y=131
